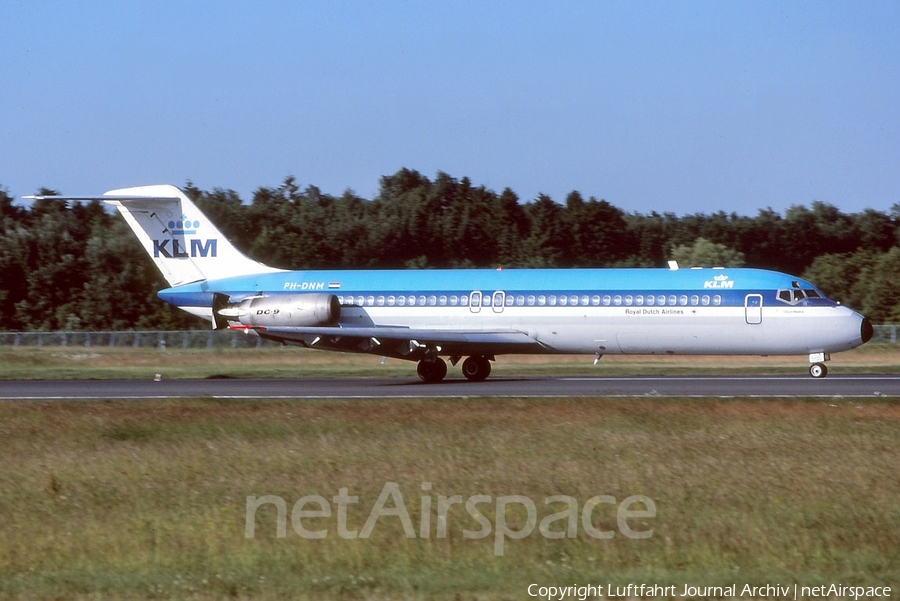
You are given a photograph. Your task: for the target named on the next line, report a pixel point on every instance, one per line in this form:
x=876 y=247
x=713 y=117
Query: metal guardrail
x=161 y=339
x=205 y=339
x=886 y=333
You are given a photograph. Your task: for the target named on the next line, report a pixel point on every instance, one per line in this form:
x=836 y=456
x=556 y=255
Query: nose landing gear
x=818 y=369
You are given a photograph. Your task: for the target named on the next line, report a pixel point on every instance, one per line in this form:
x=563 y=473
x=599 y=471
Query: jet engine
x=285 y=310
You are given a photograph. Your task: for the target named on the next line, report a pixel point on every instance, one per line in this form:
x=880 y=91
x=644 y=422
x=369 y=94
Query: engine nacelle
x=286 y=310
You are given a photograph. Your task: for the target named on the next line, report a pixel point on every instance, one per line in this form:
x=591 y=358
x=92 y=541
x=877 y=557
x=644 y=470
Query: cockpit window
x=793 y=296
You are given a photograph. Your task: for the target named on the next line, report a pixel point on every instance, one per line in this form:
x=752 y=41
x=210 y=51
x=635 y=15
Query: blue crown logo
x=184 y=226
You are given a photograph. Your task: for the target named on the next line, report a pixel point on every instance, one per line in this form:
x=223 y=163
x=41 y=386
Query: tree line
x=79 y=267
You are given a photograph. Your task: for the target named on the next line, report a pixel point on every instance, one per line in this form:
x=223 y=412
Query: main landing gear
x=476 y=368
x=432 y=371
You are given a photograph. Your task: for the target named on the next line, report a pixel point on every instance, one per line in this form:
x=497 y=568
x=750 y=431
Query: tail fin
x=181 y=240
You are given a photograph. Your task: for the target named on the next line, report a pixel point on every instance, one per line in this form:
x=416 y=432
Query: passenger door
x=753 y=308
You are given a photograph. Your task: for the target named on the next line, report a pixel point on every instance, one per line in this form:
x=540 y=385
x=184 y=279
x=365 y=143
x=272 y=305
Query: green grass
x=147 y=499
x=285 y=362
x=138 y=500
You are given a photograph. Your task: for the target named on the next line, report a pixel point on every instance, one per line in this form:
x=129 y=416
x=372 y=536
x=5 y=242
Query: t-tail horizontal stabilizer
x=183 y=243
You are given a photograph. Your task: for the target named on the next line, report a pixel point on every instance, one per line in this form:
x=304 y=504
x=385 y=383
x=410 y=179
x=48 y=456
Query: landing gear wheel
x=432 y=371
x=818 y=370
x=476 y=369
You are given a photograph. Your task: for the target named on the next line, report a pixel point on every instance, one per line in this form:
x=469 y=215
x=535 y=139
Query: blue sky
x=667 y=106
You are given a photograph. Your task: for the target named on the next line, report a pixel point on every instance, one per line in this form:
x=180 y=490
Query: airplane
x=426 y=315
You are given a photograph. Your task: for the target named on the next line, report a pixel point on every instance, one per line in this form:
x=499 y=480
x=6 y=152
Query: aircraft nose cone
x=866 y=331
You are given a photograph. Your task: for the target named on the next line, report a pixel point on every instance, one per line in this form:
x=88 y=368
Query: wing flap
x=405 y=343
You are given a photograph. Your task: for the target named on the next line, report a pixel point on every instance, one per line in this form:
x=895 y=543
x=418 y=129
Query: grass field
x=283 y=362
x=148 y=499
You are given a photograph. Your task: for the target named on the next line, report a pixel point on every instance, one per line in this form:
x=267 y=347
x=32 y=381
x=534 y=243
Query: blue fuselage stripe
x=599 y=287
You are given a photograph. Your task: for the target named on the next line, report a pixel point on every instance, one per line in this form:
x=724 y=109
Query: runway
x=871 y=386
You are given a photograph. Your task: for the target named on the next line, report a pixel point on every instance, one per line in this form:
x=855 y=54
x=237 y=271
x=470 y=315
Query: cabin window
x=432 y=300
x=651 y=300
x=463 y=301
x=672 y=299
x=629 y=300
x=563 y=300
x=552 y=300
x=717 y=300
x=704 y=300
x=617 y=300
x=442 y=300
x=639 y=300
x=661 y=300
x=421 y=301
x=542 y=300
x=520 y=300
x=683 y=300
x=380 y=301
x=530 y=300
x=595 y=300
x=607 y=300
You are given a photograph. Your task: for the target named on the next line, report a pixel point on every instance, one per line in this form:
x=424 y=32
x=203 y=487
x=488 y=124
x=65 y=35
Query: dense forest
x=79 y=267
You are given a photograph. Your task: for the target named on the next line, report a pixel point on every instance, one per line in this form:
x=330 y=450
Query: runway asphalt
x=874 y=386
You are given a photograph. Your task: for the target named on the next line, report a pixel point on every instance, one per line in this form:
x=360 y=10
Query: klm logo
x=198 y=248
x=720 y=282
x=184 y=226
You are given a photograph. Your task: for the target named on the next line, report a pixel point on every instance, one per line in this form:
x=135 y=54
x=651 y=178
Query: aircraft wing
x=401 y=342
